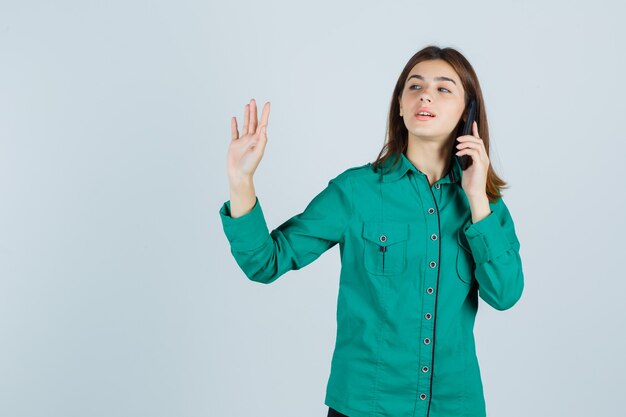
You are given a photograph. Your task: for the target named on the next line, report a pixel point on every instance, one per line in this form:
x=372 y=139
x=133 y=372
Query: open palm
x=245 y=151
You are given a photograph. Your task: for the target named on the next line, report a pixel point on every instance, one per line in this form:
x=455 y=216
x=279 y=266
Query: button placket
x=430 y=283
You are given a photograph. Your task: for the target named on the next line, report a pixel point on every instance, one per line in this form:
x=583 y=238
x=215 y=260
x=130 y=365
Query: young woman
x=420 y=240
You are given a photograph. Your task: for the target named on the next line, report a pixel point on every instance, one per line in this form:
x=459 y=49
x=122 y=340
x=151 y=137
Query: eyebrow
x=436 y=78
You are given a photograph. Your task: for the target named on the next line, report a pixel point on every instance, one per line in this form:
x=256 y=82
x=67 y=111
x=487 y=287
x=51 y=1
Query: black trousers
x=334 y=413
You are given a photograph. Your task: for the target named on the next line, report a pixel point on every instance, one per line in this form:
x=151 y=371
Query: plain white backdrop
x=118 y=292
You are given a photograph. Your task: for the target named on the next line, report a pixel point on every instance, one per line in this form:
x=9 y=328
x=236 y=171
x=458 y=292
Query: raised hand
x=245 y=151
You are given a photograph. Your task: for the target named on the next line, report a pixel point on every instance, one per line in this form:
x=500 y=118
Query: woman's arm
x=265 y=256
x=242 y=197
x=245 y=152
x=495 y=248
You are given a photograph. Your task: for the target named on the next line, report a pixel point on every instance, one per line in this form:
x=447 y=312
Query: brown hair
x=397 y=134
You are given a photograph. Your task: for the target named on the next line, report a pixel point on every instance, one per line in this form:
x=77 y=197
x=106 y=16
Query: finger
x=469 y=151
x=467 y=138
x=261 y=141
x=265 y=115
x=475 y=129
x=253 y=117
x=246 y=119
x=234 y=135
x=467 y=145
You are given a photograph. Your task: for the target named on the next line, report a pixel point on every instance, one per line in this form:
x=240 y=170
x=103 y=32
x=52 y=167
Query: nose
x=425 y=95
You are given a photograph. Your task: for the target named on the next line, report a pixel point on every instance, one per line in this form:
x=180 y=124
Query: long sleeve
x=495 y=248
x=264 y=256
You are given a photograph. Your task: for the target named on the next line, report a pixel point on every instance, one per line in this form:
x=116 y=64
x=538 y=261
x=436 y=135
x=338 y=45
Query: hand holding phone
x=467 y=129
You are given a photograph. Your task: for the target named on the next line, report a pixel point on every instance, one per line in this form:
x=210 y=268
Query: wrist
x=237 y=183
x=479 y=206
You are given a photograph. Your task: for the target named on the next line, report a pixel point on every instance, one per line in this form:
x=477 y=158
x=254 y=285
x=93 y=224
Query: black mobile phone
x=467 y=130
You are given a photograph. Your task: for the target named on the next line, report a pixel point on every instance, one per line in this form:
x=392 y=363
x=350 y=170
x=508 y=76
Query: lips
x=425 y=109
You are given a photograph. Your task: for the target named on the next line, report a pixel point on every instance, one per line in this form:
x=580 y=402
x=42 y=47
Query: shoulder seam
x=354 y=171
x=350 y=196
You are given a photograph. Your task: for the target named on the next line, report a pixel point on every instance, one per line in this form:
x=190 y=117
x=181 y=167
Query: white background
x=118 y=292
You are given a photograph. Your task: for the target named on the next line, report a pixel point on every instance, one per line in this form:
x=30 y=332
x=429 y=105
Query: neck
x=430 y=157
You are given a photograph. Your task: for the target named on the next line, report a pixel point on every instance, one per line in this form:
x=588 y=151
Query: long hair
x=397 y=134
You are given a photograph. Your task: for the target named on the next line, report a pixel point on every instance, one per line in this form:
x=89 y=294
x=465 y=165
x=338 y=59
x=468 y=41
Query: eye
x=415 y=85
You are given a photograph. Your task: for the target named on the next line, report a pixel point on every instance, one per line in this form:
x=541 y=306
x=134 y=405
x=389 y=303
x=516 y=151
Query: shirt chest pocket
x=464 y=259
x=385 y=247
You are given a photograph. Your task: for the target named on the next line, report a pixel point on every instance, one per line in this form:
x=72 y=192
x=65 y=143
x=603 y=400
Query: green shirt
x=412 y=268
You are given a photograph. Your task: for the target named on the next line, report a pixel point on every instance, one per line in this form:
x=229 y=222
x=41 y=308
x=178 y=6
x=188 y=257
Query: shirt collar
x=404 y=165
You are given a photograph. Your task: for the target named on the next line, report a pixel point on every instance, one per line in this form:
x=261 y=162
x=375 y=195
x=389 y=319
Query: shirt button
x=437 y=186
x=433 y=264
x=427 y=341
x=428 y=316
x=423 y=396
x=429 y=290
x=424 y=368
x=431 y=210
x=383 y=238
x=433 y=236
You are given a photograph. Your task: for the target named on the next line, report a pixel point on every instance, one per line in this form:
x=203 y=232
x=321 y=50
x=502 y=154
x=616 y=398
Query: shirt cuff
x=486 y=238
x=246 y=232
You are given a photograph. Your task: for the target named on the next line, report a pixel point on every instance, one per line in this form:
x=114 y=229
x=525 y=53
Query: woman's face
x=434 y=85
